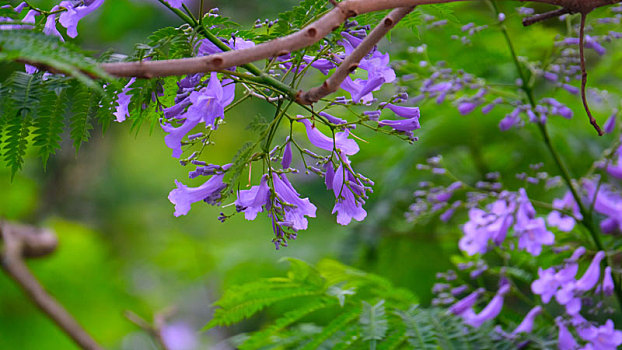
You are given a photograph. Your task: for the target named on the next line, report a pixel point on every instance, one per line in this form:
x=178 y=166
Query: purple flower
x=484 y=226
x=465 y=303
x=349 y=193
x=489 y=312
x=183 y=196
x=608 y=203
x=527 y=324
x=208 y=104
x=405 y=126
x=175 y=3
x=510 y=120
x=532 y=232
x=295 y=208
x=179 y=336
x=592 y=274
x=378 y=71
x=332 y=119
x=322 y=64
x=287 y=155
x=50 y=25
x=404 y=112
x=607 y=285
x=466 y=107
x=610 y=124
x=605 y=337
x=252 y=201
x=69 y=19
x=341 y=142
x=123 y=102
x=564 y=222
x=565 y=340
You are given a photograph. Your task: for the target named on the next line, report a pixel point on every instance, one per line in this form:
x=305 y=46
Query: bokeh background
x=121 y=249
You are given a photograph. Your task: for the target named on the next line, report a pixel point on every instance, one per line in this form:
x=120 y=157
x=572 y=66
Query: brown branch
x=25 y=241
x=584 y=76
x=309 y=35
x=544 y=16
x=350 y=63
x=296 y=41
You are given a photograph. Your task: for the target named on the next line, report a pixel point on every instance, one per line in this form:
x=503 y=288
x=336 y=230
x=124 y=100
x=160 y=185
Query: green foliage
x=47 y=50
x=373 y=315
x=34 y=110
x=166 y=43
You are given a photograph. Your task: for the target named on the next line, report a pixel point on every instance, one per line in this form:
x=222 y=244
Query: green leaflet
x=40 y=49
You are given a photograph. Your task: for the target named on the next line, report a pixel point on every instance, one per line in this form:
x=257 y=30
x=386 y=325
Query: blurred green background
x=121 y=248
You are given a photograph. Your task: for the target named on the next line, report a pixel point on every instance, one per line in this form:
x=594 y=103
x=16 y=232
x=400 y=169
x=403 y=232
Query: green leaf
x=263 y=337
x=80 y=125
x=36 y=48
x=49 y=125
x=338 y=324
x=374 y=324
x=16 y=140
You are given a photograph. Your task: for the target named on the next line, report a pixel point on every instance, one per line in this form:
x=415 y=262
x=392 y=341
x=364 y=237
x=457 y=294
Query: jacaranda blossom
x=341 y=142
x=295 y=209
x=254 y=201
x=183 y=196
x=70 y=18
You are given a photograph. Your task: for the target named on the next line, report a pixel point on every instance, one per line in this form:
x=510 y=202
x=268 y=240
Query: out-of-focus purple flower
x=123 y=102
x=605 y=337
x=70 y=18
x=175 y=3
x=252 y=201
x=467 y=107
x=609 y=203
x=341 y=142
x=607 y=285
x=565 y=340
x=50 y=25
x=183 y=196
x=563 y=222
x=484 y=226
x=527 y=324
x=510 y=120
x=592 y=274
x=610 y=124
x=465 y=303
x=179 y=336
x=531 y=231
x=295 y=208
x=489 y=312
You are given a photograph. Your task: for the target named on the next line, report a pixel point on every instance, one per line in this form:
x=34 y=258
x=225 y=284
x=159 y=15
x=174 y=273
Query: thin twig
x=584 y=76
x=24 y=241
x=544 y=16
x=350 y=63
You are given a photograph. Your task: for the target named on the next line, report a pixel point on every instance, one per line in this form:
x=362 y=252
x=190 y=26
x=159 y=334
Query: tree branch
x=350 y=63
x=544 y=16
x=584 y=76
x=274 y=48
x=25 y=241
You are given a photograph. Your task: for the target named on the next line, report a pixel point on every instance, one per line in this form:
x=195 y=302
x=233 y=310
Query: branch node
x=388 y=22
x=282 y=53
x=352 y=67
x=217 y=61
x=312 y=32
